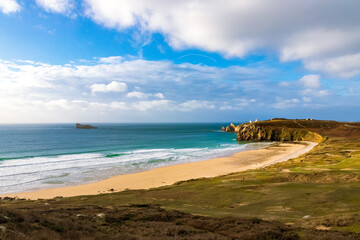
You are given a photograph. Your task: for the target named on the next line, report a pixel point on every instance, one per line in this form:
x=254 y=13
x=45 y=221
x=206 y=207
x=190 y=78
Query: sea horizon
x=95 y=123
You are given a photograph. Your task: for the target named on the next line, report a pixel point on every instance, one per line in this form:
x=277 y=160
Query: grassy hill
x=314 y=196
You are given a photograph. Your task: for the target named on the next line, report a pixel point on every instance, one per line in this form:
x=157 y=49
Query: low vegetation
x=314 y=196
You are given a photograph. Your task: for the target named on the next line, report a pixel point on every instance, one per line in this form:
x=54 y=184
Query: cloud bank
x=323 y=34
x=104 y=89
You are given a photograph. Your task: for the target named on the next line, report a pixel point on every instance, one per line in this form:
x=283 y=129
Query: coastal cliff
x=280 y=130
x=252 y=132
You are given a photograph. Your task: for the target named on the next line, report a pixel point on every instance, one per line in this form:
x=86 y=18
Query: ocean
x=40 y=156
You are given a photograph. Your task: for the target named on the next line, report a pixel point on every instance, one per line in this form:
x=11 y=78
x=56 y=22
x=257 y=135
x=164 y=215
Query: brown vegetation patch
x=319 y=177
x=56 y=220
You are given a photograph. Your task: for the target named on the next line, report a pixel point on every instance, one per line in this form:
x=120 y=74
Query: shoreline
x=163 y=176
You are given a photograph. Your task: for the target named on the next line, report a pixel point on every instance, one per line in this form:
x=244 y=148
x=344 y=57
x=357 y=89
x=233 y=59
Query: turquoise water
x=38 y=156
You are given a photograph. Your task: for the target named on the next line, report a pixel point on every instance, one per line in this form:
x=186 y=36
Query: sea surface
x=39 y=156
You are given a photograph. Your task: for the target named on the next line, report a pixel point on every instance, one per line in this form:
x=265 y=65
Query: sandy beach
x=163 y=176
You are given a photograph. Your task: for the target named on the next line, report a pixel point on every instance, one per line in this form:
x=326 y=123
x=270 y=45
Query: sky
x=92 y=61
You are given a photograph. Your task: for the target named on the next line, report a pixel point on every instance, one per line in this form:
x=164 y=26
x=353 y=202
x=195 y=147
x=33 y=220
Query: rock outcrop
x=230 y=128
x=85 y=126
x=281 y=130
x=251 y=132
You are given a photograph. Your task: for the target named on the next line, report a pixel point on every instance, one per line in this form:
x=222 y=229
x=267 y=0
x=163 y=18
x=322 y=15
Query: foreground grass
x=319 y=190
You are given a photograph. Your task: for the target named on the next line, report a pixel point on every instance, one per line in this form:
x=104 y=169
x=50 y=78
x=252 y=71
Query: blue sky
x=178 y=61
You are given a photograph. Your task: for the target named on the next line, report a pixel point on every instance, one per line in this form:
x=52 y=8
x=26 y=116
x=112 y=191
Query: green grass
x=353 y=228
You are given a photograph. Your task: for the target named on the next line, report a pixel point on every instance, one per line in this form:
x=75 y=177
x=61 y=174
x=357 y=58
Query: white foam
x=39 y=172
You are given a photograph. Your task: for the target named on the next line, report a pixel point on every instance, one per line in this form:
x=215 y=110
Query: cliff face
x=252 y=132
x=280 y=130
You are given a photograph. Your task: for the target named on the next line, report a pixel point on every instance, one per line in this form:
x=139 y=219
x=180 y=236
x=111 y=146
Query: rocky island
x=84 y=126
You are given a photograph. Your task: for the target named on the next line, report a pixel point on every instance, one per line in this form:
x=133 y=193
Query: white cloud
x=58 y=103
x=323 y=93
x=159 y=95
x=284 y=84
x=319 y=43
x=138 y=95
x=57 y=6
x=9 y=6
x=170 y=105
x=119 y=105
x=112 y=59
x=344 y=66
x=285 y=103
x=306 y=99
x=309 y=31
x=111 y=87
x=155 y=104
x=141 y=95
x=194 y=104
x=239 y=103
x=310 y=81
x=236 y=104
x=315 y=93
x=225 y=107
x=312 y=85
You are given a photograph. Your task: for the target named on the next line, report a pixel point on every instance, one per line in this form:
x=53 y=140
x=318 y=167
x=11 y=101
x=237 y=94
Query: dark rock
x=85 y=126
x=8 y=198
x=230 y=128
x=223 y=129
